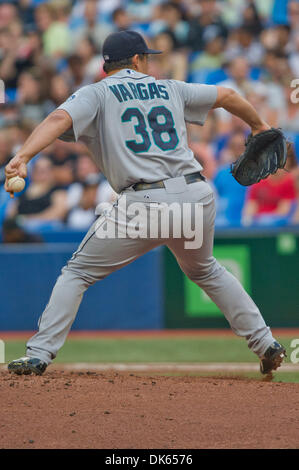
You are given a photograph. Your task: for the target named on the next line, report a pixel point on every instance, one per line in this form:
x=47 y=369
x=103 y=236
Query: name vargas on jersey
x=139 y=91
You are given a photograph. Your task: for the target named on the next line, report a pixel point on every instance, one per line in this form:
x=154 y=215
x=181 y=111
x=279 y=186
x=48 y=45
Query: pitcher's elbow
x=224 y=95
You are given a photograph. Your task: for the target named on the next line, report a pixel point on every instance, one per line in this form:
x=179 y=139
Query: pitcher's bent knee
x=70 y=276
x=203 y=273
x=70 y=271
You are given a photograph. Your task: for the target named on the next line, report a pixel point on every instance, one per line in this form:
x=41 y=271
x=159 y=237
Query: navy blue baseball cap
x=125 y=44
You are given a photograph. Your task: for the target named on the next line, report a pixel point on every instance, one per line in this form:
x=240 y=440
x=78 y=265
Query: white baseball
x=16 y=184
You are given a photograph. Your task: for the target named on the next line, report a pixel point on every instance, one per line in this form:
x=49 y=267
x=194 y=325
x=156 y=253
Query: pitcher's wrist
x=257 y=128
x=22 y=157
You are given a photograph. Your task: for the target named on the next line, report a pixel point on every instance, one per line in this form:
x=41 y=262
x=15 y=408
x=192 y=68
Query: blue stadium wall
x=131 y=298
x=152 y=292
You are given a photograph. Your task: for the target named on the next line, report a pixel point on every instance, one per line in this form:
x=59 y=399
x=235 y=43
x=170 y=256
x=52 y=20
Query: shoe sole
x=23 y=369
x=276 y=361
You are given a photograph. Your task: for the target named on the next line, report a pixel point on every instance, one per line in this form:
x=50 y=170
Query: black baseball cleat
x=272 y=358
x=27 y=365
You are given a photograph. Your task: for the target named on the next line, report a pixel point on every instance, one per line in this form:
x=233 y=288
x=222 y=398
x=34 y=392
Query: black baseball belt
x=192 y=178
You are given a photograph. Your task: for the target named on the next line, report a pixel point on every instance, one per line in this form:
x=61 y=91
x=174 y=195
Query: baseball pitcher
x=135 y=129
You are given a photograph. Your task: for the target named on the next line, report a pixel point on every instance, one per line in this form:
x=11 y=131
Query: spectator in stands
x=91 y=60
x=276 y=73
x=31 y=95
x=91 y=28
x=171 y=64
x=16 y=54
x=121 y=19
x=294 y=56
x=50 y=49
x=140 y=11
x=59 y=92
x=8 y=14
x=233 y=149
x=283 y=38
x=26 y=12
x=238 y=75
x=9 y=114
x=41 y=202
x=19 y=133
x=102 y=13
x=251 y=19
x=55 y=32
x=232 y=14
x=243 y=42
x=86 y=170
x=199 y=142
x=269 y=40
x=12 y=232
x=74 y=74
x=293 y=16
x=211 y=58
x=231 y=195
x=293 y=168
x=64 y=162
x=238 y=79
x=270 y=202
x=208 y=22
x=259 y=98
x=82 y=215
x=83 y=169
x=173 y=23
x=288 y=118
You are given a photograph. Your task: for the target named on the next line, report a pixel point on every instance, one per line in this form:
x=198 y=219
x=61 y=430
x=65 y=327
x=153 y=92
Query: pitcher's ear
x=135 y=60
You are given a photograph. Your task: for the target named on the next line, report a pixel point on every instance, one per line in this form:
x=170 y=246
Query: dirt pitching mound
x=127 y=411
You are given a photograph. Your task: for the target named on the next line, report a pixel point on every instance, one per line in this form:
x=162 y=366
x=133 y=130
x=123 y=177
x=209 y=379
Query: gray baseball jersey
x=134 y=125
x=135 y=128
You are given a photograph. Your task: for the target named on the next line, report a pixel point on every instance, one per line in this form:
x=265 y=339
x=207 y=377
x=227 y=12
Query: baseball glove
x=264 y=154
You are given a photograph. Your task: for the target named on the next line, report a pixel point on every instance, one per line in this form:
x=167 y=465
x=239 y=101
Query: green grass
x=176 y=349
x=139 y=350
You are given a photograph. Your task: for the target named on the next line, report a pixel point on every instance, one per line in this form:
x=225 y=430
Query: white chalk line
x=169 y=366
x=164 y=367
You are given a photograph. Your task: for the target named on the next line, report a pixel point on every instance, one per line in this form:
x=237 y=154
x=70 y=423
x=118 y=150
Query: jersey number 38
x=163 y=133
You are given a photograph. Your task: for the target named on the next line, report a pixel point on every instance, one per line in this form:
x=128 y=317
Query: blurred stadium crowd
x=49 y=49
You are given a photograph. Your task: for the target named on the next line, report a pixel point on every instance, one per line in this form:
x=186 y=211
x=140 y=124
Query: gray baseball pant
x=97 y=257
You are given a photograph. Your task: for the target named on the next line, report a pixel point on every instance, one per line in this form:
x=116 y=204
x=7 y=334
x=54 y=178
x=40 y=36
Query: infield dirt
x=127 y=411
